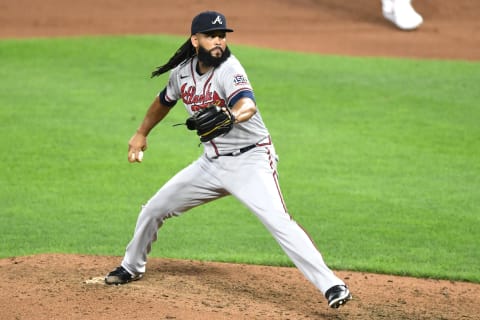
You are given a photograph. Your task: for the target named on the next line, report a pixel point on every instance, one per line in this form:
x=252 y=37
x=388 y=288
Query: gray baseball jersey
x=250 y=176
x=222 y=86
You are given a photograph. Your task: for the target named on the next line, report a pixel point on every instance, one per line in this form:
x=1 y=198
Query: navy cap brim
x=215 y=29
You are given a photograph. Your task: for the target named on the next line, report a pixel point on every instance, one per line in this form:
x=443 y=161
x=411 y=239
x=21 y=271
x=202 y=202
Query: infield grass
x=379 y=158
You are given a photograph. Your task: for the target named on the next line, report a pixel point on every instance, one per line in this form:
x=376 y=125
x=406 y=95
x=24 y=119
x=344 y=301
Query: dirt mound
x=52 y=286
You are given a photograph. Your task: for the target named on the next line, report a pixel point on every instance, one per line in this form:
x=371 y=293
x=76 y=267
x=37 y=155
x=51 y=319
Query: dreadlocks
x=186 y=51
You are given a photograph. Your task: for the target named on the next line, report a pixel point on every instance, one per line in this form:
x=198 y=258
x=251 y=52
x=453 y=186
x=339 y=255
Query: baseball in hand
x=138 y=157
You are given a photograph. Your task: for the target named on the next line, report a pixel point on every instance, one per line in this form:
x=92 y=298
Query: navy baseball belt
x=239 y=151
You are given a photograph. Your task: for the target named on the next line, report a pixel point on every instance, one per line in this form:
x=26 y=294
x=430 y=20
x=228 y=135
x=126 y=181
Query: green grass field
x=379 y=158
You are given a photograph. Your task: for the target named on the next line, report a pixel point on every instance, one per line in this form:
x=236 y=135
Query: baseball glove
x=211 y=122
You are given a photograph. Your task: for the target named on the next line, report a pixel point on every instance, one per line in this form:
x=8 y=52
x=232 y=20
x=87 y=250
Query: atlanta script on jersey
x=222 y=87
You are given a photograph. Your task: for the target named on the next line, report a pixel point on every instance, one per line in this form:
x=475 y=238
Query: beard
x=206 y=57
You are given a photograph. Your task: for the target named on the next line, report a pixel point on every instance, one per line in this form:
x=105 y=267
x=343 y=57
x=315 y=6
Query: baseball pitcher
x=239 y=158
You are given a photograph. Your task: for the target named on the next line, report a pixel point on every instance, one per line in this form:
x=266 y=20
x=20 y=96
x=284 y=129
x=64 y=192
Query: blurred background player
x=401 y=14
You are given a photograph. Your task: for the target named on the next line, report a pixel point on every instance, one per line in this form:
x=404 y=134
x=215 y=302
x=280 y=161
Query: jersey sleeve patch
x=240 y=80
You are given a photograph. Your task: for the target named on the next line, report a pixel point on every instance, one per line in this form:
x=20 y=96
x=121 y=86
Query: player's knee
x=155 y=212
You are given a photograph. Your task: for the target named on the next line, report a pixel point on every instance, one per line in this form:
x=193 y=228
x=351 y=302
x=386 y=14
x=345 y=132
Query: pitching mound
x=52 y=286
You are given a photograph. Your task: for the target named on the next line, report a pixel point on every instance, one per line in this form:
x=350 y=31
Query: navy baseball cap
x=209 y=21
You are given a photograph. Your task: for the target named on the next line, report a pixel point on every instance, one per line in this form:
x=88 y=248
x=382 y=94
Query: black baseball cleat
x=121 y=276
x=337 y=296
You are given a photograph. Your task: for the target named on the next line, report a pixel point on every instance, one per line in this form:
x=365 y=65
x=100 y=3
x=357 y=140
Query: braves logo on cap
x=218 y=20
x=209 y=21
